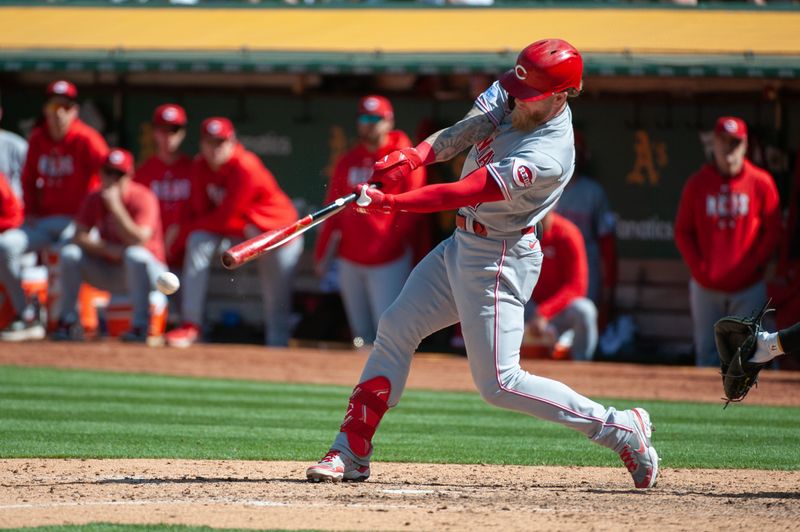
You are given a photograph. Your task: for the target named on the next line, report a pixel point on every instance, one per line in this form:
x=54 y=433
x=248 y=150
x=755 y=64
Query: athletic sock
x=771 y=339
x=789 y=339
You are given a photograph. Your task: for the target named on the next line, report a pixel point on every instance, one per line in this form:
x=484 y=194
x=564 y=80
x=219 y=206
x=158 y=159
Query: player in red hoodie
x=64 y=155
x=167 y=174
x=234 y=197
x=726 y=229
x=559 y=302
x=374 y=252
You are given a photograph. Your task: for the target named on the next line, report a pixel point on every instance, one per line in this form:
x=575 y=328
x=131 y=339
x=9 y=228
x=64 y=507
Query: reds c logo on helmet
x=544 y=68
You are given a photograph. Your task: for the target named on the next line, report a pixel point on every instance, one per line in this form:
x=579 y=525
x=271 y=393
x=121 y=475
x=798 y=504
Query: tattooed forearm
x=471 y=129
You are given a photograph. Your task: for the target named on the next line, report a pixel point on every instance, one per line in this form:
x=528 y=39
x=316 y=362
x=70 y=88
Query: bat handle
x=363 y=199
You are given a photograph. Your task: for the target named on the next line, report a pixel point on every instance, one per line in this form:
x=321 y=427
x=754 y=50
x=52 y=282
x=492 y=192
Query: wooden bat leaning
x=251 y=249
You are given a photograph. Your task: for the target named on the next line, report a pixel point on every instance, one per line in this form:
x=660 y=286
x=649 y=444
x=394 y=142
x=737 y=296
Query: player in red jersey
x=64 y=155
x=559 y=302
x=235 y=197
x=126 y=255
x=374 y=252
x=726 y=229
x=168 y=174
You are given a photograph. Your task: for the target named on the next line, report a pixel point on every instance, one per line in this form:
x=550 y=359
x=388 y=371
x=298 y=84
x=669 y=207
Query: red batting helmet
x=543 y=69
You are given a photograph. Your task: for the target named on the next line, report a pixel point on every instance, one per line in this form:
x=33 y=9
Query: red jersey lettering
x=727 y=227
x=58 y=175
x=172 y=189
x=485 y=152
x=359 y=174
x=172 y=185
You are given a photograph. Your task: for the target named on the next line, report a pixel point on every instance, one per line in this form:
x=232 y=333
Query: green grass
x=82 y=414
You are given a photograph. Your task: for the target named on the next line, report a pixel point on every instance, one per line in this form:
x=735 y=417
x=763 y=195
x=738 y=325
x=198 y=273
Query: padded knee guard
x=365 y=410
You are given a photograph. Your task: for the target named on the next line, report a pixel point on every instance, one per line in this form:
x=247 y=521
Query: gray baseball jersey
x=485 y=281
x=531 y=168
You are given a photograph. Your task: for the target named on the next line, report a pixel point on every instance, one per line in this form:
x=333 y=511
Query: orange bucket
x=119 y=314
x=539 y=348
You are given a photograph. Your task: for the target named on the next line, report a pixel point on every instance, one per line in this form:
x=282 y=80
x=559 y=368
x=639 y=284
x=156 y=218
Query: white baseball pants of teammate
x=275 y=271
x=484 y=283
x=580 y=316
x=708 y=306
x=135 y=276
x=367 y=291
x=51 y=231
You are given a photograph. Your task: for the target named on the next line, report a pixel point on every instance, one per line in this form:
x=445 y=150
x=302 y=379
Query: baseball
x=168 y=283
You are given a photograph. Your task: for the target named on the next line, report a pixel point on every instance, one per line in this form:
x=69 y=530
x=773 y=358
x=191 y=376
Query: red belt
x=480 y=229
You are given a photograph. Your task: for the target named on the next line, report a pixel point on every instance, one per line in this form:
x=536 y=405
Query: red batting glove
x=395 y=167
x=371 y=199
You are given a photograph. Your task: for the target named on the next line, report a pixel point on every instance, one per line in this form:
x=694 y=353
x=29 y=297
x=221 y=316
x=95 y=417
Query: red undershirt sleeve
x=477 y=187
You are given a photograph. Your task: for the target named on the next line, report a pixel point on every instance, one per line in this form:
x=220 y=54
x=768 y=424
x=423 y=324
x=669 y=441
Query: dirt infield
x=240 y=494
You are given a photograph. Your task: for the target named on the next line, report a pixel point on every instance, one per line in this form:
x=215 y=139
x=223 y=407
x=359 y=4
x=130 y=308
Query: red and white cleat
x=638 y=454
x=183 y=336
x=335 y=467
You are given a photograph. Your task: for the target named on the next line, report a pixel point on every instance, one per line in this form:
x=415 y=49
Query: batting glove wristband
x=396 y=166
x=373 y=200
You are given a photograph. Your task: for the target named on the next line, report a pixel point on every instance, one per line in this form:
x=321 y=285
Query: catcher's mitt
x=736 y=343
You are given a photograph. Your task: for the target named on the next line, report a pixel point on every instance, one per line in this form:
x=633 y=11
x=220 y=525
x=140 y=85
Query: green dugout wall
x=642 y=148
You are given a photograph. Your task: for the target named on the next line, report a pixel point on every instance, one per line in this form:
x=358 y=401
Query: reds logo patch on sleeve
x=524 y=175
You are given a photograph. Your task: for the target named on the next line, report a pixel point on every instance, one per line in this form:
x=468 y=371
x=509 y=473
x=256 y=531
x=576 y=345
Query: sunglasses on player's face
x=55 y=105
x=215 y=142
x=369 y=119
x=112 y=173
x=169 y=129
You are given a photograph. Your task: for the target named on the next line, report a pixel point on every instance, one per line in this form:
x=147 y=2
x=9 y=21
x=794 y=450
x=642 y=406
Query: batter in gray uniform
x=522 y=156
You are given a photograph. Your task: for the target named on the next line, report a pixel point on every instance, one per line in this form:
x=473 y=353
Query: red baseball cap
x=62 y=88
x=375 y=105
x=169 y=114
x=120 y=160
x=217 y=127
x=731 y=126
x=544 y=68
